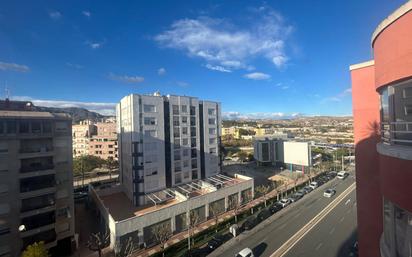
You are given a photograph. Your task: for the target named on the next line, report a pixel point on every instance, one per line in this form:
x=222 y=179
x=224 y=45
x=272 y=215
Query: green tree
x=36 y=250
x=242 y=156
x=98 y=241
x=86 y=164
x=111 y=165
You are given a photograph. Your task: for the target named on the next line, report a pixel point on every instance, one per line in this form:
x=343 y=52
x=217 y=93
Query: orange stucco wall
x=393 y=51
x=366 y=123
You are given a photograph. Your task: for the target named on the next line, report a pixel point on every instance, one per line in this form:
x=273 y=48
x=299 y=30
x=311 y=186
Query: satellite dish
x=22 y=228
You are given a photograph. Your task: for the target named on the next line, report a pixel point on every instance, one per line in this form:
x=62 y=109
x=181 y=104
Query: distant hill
x=77 y=114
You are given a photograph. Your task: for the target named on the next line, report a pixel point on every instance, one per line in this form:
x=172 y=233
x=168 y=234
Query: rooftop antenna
x=7 y=91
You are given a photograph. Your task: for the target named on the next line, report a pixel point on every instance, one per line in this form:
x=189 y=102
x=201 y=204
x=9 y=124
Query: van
x=342 y=175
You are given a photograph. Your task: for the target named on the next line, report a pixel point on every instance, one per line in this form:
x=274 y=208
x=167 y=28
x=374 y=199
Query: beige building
x=98 y=139
x=231 y=131
x=104 y=143
x=36 y=183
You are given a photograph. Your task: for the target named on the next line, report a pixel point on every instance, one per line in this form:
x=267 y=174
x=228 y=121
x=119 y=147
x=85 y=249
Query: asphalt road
x=333 y=236
x=269 y=235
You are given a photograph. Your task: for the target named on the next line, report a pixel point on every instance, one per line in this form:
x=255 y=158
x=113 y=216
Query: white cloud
x=339 y=97
x=228 y=45
x=257 y=76
x=182 y=84
x=259 y=115
x=94 y=45
x=55 y=15
x=87 y=14
x=161 y=71
x=102 y=108
x=74 y=65
x=126 y=78
x=217 y=68
x=8 y=66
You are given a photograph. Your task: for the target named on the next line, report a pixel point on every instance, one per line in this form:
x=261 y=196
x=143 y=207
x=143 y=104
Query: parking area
x=260 y=174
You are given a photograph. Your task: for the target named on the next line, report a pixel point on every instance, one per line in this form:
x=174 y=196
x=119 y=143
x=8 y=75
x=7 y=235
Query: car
x=264 y=214
x=342 y=174
x=307 y=189
x=329 y=192
x=295 y=197
x=247 y=252
x=215 y=242
x=250 y=223
x=199 y=252
x=284 y=202
x=275 y=207
x=313 y=184
x=303 y=192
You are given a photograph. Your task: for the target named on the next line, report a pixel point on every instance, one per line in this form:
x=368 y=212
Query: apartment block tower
x=165 y=141
x=382 y=111
x=36 y=184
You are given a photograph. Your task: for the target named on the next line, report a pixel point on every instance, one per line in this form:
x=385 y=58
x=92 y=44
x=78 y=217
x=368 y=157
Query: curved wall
x=392 y=49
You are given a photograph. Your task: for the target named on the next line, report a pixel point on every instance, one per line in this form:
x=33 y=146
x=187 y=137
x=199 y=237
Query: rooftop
x=121 y=208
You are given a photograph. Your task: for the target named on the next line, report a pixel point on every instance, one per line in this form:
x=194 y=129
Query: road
x=272 y=233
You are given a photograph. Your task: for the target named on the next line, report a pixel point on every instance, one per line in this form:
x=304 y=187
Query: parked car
x=264 y=214
x=313 y=185
x=247 y=252
x=295 y=197
x=307 y=189
x=215 y=242
x=250 y=223
x=199 y=252
x=275 y=207
x=284 y=202
x=342 y=174
x=329 y=192
x=302 y=191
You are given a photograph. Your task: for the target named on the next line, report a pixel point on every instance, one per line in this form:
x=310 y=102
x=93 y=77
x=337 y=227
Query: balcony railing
x=36 y=150
x=37 y=168
x=399 y=132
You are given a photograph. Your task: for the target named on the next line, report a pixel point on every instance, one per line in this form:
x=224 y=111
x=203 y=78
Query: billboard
x=297 y=153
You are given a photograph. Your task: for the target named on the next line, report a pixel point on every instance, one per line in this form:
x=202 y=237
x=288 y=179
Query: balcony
x=36 y=168
x=37 y=183
x=39 y=220
x=45 y=236
x=396 y=139
x=37 y=202
x=30 y=150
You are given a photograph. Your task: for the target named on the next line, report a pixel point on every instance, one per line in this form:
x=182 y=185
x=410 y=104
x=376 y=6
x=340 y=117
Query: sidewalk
x=205 y=225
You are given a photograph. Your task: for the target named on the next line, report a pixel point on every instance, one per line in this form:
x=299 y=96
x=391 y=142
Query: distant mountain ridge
x=77 y=114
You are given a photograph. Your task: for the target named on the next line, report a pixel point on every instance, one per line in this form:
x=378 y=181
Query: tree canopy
x=36 y=250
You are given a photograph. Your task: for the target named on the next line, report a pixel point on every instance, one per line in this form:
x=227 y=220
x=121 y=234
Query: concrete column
x=173 y=223
x=207 y=210
x=140 y=236
x=226 y=203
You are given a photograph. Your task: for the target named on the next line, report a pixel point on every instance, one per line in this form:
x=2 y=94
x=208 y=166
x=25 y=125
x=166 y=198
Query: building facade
x=36 y=182
x=81 y=134
x=268 y=151
x=382 y=109
x=165 y=141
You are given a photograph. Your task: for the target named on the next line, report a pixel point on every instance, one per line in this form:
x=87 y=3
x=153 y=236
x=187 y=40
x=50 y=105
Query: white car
x=329 y=192
x=284 y=202
x=342 y=175
x=313 y=185
x=245 y=253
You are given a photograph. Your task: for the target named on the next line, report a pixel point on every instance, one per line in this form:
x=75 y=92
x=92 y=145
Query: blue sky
x=260 y=59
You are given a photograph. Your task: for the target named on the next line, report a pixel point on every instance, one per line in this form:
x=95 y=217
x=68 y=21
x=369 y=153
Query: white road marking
x=319 y=246
x=332 y=230
x=347 y=201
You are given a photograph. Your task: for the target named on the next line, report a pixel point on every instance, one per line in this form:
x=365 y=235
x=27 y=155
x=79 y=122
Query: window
x=184 y=131
x=185 y=163
x=47 y=127
x=150 y=158
x=212 y=131
x=177 y=155
x=384 y=105
x=185 y=152
x=176 y=121
x=193 y=131
x=185 y=175
x=192 y=110
x=177 y=143
x=35 y=127
x=63 y=212
x=192 y=121
x=11 y=127
x=149 y=108
x=176 y=132
x=212 y=141
x=175 y=109
x=149 y=121
x=185 y=141
x=150 y=133
x=184 y=120
x=178 y=166
x=61 y=126
x=24 y=127
x=193 y=142
x=408 y=109
x=2 y=127
x=184 y=108
x=212 y=150
x=212 y=121
x=211 y=111
x=151 y=172
x=407 y=92
x=178 y=178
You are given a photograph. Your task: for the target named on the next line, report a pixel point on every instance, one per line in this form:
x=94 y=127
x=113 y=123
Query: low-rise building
x=170 y=206
x=104 y=143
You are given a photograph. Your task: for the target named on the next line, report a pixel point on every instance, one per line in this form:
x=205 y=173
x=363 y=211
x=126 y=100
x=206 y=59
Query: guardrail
x=398 y=132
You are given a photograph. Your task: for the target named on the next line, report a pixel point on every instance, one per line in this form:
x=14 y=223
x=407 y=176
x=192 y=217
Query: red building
x=382 y=110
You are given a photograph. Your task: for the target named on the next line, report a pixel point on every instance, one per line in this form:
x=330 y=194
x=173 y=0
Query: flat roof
x=120 y=207
x=402 y=10
x=33 y=114
x=362 y=65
